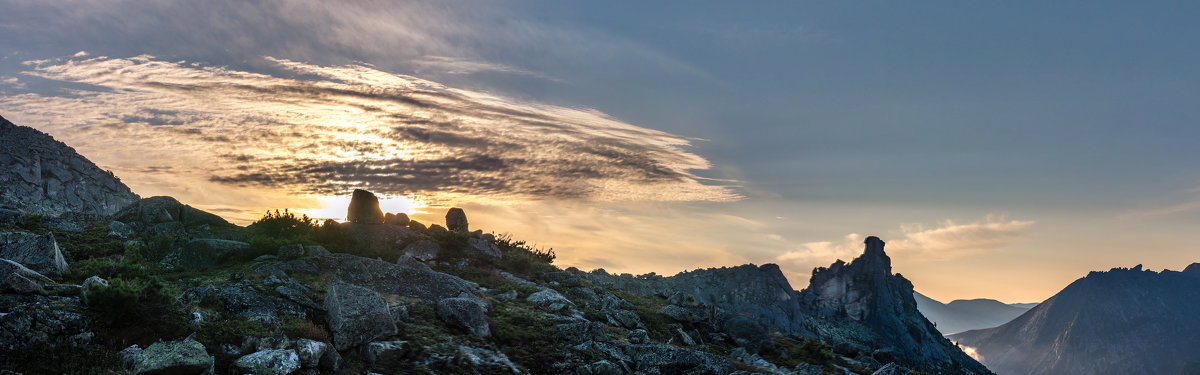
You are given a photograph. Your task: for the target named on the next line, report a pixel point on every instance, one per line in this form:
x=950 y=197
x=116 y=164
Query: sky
x=1002 y=149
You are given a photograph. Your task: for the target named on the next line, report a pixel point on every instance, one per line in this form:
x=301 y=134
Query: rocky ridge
x=45 y=176
x=160 y=287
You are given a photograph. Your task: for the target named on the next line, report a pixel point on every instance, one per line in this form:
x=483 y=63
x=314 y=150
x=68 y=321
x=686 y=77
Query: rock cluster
x=45 y=176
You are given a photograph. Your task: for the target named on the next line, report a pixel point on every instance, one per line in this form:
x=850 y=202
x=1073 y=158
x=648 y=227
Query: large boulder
x=269 y=362
x=467 y=313
x=456 y=220
x=357 y=315
x=16 y=278
x=550 y=299
x=248 y=302
x=364 y=208
x=40 y=321
x=38 y=253
x=202 y=254
x=310 y=351
x=483 y=248
x=183 y=357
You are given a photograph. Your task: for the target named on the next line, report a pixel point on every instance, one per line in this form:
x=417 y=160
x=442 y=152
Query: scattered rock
x=601 y=367
x=456 y=220
x=43 y=321
x=423 y=249
x=465 y=312
x=270 y=362
x=185 y=356
x=357 y=315
x=550 y=299
x=364 y=208
x=623 y=318
x=684 y=314
x=487 y=361
x=38 y=253
x=581 y=331
x=639 y=336
x=246 y=300
x=656 y=357
x=388 y=353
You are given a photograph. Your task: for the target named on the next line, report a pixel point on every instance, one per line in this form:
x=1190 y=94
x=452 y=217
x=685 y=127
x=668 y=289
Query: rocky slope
x=1124 y=321
x=964 y=315
x=45 y=176
x=160 y=287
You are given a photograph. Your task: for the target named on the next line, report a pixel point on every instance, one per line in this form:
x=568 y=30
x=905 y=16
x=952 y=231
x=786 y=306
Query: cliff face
x=47 y=177
x=865 y=292
x=1124 y=321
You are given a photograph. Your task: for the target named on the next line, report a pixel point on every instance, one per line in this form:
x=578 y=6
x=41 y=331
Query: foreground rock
x=44 y=176
x=16 y=278
x=38 y=253
x=183 y=357
x=270 y=362
x=364 y=208
x=466 y=313
x=357 y=315
x=407 y=277
x=202 y=254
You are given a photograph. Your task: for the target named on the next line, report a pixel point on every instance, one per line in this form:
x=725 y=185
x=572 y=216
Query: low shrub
x=137 y=310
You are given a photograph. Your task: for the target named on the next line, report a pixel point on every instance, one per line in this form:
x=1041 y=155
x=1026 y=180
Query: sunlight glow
x=334 y=207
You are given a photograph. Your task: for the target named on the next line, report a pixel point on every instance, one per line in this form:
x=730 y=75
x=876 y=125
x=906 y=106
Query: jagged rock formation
x=364 y=208
x=1124 y=321
x=866 y=292
x=965 y=315
x=45 y=176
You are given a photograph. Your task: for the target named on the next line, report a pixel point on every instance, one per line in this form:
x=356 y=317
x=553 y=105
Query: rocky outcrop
x=400 y=219
x=39 y=253
x=456 y=220
x=407 y=277
x=45 y=176
x=865 y=292
x=357 y=315
x=364 y=208
x=1123 y=321
x=423 y=249
x=39 y=321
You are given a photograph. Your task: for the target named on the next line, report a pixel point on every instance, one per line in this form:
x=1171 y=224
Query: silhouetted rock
x=399 y=218
x=148 y=212
x=364 y=208
x=1123 y=321
x=456 y=220
x=866 y=292
x=45 y=176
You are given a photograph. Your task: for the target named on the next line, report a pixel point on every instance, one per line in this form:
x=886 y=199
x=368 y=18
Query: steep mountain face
x=964 y=315
x=47 y=177
x=866 y=293
x=1124 y=321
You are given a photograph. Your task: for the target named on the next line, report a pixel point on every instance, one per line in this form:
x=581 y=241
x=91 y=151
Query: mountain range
x=967 y=314
x=1123 y=321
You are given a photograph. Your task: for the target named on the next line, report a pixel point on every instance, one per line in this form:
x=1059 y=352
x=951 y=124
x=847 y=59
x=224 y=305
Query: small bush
x=137 y=310
x=285 y=226
x=93 y=242
x=296 y=327
x=108 y=267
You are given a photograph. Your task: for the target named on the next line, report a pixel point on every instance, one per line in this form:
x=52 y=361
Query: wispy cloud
x=352 y=126
x=458 y=66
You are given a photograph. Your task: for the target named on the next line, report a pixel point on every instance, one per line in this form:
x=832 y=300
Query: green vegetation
x=137 y=310
x=528 y=337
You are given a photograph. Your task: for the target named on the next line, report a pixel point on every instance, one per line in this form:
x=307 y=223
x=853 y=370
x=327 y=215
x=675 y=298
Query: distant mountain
x=1024 y=305
x=1124 y=321
x=967 y=314
x=47 y=177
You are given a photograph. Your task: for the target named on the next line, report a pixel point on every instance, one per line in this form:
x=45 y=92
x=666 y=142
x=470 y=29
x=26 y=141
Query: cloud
x=335 y=128
x=946 y=240
x=12 y=82
x=459 y=66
